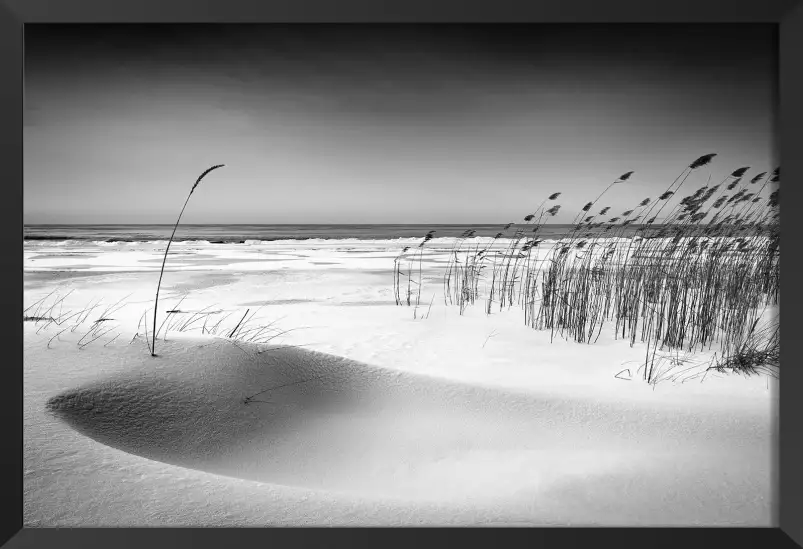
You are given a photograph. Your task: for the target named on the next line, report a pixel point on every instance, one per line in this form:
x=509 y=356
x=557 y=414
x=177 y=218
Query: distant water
x=219 y=234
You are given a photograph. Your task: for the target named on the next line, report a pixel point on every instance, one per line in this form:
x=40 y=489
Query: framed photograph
x=493 y=267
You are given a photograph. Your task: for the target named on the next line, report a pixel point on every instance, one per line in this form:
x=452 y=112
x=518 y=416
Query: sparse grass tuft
x=47 y=314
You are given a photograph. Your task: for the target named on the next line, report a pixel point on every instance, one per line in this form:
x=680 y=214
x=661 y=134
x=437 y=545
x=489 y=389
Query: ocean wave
x=389 y=244
x=58 y=242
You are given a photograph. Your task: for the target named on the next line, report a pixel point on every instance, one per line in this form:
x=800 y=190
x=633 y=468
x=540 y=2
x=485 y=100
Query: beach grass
x=677 y=274
x=258 y=332
x=152 y=348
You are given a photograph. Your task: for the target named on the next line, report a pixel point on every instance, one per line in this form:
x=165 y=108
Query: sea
x=231 y=233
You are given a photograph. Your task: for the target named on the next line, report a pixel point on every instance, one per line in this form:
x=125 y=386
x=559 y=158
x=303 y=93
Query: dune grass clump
x=758 y=352
x=676 y=272
x=397 y=274
x=210 y=321
x=49 y=316
x=167 y=249
x=46 y=314
x=412 y=293
x=427 y=238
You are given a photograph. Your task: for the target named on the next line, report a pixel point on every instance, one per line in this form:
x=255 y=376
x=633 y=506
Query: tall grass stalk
x=167 y=249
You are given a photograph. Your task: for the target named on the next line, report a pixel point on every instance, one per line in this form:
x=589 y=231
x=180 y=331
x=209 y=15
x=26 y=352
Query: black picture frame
x=14 y=14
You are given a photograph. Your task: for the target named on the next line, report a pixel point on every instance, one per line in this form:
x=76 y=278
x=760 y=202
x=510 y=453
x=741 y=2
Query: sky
x=384 y=123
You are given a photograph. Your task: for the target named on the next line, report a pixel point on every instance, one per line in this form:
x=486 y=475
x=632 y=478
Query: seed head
x=776 y=175
x=666 y=195
x=204 y=175
x=702 y=161
x=554 y=196
x=757 y=178
x=740 y=172
x=625 y=176
x=736 y=197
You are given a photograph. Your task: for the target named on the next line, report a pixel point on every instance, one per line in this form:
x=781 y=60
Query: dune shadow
x=325 y=422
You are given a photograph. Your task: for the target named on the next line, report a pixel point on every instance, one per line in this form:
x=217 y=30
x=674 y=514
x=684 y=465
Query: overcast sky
x=404 y=124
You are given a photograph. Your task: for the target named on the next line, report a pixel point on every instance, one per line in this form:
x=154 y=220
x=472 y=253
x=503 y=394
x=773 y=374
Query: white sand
x=447 y=420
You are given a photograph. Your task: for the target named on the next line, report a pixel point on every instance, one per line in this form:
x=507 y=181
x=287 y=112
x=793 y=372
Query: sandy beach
x=416 y=275
x=346 y=409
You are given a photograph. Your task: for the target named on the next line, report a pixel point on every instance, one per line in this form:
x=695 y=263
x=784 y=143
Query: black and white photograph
x=400 y=275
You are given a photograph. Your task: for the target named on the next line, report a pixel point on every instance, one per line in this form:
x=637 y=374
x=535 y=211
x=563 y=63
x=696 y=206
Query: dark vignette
x=791 y=117
x=11 y=245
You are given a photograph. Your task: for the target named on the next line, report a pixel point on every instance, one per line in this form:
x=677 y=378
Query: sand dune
x=334 y=424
